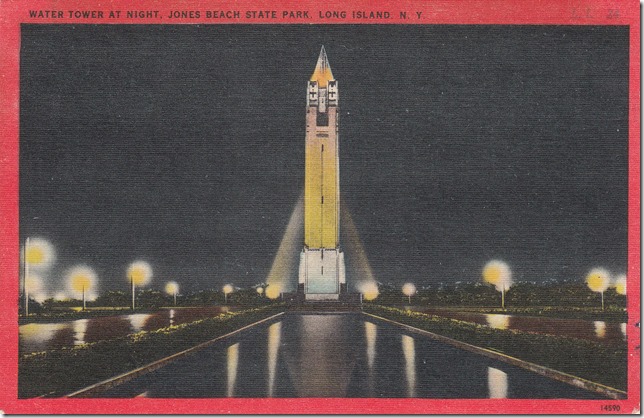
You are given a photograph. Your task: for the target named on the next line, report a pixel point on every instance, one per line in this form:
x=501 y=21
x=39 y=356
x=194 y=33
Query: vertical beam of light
x=497 y=383
x=409 y=352
x=287 y=253
x=232 y=361
x=357 y=256
x=622 y=328
x=274 y=335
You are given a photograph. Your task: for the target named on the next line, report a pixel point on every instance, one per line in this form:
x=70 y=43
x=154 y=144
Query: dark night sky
x=184 y=146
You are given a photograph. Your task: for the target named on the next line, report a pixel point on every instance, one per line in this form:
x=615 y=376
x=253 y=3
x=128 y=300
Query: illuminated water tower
x=322 y=268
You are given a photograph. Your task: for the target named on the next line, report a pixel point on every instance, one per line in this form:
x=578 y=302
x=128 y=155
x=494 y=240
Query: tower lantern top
x=322 y=73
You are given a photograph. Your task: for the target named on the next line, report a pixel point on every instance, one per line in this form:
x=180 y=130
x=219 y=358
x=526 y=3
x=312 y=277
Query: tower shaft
x=322 y=180
x=322 y=270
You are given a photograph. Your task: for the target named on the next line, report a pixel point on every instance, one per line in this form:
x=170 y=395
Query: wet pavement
x=606 y=332
x=36 y=337
x=339 y=355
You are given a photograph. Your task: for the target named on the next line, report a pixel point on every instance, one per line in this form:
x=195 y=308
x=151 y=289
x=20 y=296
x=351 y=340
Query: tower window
x=323 y=119
x=322 y=199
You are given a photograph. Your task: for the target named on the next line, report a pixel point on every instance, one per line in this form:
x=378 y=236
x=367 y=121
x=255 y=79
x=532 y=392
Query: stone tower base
x=322 y=274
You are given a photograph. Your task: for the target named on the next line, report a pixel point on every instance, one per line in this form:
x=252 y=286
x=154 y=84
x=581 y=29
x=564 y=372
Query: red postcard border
x=511 y=12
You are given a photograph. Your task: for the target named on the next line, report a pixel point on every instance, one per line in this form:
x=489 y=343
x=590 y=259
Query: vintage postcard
x=300 y=207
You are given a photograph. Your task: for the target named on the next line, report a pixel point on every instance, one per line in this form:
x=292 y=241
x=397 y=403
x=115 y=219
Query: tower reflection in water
x=409 y=352
x=274 y=334
x=232 y=362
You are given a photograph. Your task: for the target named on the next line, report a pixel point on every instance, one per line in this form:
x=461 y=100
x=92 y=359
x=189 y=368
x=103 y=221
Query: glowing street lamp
x=172 y=288
x=139 y=273
x=260 y=290
x=620 y=284
x=498 y=273
x=273 y=290
x=369 y=290
x=38 y=254
x=408 y=290
x=227 y=289
x=598 y=280
x=80 y=280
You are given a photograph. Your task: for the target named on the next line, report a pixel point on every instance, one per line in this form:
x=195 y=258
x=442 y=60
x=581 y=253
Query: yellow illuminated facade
x=322 y=270
x=322 y=190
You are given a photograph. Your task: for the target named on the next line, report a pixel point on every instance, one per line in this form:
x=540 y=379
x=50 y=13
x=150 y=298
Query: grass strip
x=55 y=373
x=597 y=362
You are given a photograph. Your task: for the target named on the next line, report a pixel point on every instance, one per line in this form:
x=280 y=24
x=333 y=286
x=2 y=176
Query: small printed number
x=610 y=408
x=613 y=13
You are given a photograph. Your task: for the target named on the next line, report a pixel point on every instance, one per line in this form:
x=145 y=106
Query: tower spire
x=322 y=73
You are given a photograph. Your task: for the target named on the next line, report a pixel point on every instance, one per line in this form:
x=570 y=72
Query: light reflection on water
x=409 y=352
x=371 y=332
x=137 y=321
x=232 y=362
x=608 y=332
x=622 y=328
x=498 y=321
x=47 y=336
x=80 y=329
x=600 y=329
x=40 y=334
x=319 y=355
x=274 y=332
x=497 y=382
x=337 y=356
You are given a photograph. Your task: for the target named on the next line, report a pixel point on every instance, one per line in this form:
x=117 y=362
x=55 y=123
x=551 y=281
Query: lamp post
x=227 y=289
x=598 y=280
x=503 y=296
x=368 y=291
x=39 y=254
x=80 y=280
x=139 y=273
x=133 y=292
x=172 y=288
x=408 y=290
x=498 y=273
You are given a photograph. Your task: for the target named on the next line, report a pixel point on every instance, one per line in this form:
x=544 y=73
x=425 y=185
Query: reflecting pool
x=339 y=355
